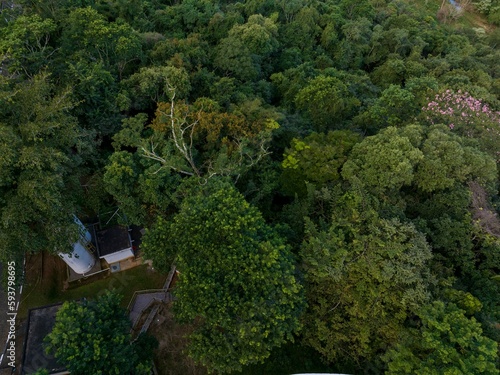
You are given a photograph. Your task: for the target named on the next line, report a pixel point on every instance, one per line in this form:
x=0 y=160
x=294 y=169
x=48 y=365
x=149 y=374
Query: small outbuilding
x=114 y=245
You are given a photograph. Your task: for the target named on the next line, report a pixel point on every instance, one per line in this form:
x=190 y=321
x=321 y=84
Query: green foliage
x=383 y=162
x=153 y=85
x=485 y=286
x=302 y=28
x=447 y=342
x=237 y=284
x=327 y=101
x=444 y=217
x=243 y=51
x=154 y=245
x=24 y=43
x=88 y=36
x=397 y=106
x=354 y=45
x=93 y=337
x=316 y=159
x=38 y=168
x=137 y=183
x=238 y=68
x=94 y=91
x=365 y=276
x=464 y=301
x=449 y=159
x=394 y=158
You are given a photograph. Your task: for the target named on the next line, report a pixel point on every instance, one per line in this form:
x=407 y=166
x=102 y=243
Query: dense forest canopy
x=325 y=170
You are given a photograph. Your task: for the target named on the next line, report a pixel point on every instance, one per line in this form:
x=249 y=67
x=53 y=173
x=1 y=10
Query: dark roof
x=136 y=235
x=113 y=239
x=40 y=324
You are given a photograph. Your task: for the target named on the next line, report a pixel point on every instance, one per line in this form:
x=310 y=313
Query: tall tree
x=327 y=101
x=385 y=161
x=88 y=36
x=41 y=148
x=317 y=159
x=246 y=46
x=430 y=158
x=364 y=276
x=93 y=337
x=25 y=44
x=237 y=285
x=447 y=342
x=200 y=140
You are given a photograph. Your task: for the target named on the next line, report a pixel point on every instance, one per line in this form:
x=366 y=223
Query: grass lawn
x=48 y=289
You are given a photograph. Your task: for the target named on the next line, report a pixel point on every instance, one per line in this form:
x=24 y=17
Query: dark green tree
x=152 y=85
x=93 y=337
x=384 y=161
x=243 y=51
x=41 y=150
x=327 y=101
x=430 y=158
x=449 y=159
x=140 y=186
x=364 y=277
x=88 y=36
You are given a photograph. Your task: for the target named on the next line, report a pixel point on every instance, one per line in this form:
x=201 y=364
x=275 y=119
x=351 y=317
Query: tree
x=200 y=140
x=41 y=149
x=449 y=159
x=246 y=46
x=327 y=101
x=95 y=90
x=152 y=85
x=197 y=140
x=302 y=28
x=395 y=106
x=447 y=342
x=430 y=158
x=445 y=218
x=384 y=161
x=87 y=36
x=318 y=159
x=355 y=44
x=138 y=184
x=237 y=285
x=365 y=276
x=24 y=44
x=466 y=115
x=93 y=337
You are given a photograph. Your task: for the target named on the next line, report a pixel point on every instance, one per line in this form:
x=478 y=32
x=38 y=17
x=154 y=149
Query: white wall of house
x=119 y=256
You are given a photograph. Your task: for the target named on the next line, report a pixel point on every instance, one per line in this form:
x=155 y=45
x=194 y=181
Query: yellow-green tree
x=93 y=337
x=237 y=284
x=446 y=342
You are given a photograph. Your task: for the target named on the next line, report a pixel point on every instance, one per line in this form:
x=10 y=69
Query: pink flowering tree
x=468 y=116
